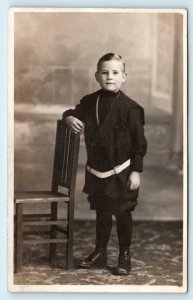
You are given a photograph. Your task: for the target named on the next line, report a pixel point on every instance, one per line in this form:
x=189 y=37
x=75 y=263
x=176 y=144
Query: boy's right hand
x=74 y=124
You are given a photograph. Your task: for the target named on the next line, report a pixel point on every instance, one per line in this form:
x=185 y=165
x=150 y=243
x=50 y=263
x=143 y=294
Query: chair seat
x=39 y=196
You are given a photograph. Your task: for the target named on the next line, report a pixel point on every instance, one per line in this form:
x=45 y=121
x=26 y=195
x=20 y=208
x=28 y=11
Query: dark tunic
x=118 y=137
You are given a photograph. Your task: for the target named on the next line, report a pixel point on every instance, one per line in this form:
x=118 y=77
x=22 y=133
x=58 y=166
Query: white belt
x=116 y=170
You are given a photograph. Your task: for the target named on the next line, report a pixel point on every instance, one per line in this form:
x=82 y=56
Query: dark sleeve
x=77 y=112
x=139 y=143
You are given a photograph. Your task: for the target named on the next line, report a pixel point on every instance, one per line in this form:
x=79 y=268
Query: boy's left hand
x=134 y=180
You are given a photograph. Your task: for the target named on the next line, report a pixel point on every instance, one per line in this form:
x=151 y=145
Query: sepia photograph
x=97 y=150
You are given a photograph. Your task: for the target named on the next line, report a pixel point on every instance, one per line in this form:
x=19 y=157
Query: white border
x=101 y=10
x=185 y=154
x=91 y=288
x=10 y=147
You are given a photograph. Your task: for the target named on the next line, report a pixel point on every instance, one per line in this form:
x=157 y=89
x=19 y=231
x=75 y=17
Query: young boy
x=115 y=143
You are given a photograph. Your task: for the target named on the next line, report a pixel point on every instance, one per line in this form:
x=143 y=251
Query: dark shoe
x=97 y=259
x=124 y=262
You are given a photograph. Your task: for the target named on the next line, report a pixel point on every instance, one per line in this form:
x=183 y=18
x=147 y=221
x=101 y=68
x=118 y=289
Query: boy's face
x=110 y=75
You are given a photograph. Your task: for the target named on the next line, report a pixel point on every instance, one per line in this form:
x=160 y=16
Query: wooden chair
x=64 y=175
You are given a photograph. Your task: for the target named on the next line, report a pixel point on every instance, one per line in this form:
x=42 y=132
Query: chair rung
x=61 y=230
x=48 y=241
x=34 y=216
x=40 y=233
x=37 y=233
x=42 y=223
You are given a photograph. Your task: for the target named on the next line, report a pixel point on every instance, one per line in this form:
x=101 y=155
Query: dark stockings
x=124 y=229
x=104 y=227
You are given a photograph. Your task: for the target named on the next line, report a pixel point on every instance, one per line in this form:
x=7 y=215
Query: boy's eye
x=114 y=73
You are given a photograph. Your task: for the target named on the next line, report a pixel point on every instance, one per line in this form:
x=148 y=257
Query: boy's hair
x=111 y=56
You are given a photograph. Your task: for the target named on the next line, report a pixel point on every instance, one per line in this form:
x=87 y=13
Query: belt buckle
x=115 y=169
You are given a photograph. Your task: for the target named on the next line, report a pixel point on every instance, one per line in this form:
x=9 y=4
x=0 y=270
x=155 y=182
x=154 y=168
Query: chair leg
x=19 y=237
x=54 y=208
x=70 y=231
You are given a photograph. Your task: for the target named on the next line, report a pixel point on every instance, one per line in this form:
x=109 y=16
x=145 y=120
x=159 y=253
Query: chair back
x=65 y=158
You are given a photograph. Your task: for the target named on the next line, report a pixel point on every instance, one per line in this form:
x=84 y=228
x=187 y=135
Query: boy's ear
x=96 y=76
x=124 y=76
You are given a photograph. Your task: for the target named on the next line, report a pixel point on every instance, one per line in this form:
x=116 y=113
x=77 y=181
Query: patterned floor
x=156 y=258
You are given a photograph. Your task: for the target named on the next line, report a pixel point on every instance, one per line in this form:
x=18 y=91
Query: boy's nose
x=109 y=76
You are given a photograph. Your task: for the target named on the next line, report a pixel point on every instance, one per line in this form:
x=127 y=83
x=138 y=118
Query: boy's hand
x=74 y=124
x=134 y=180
